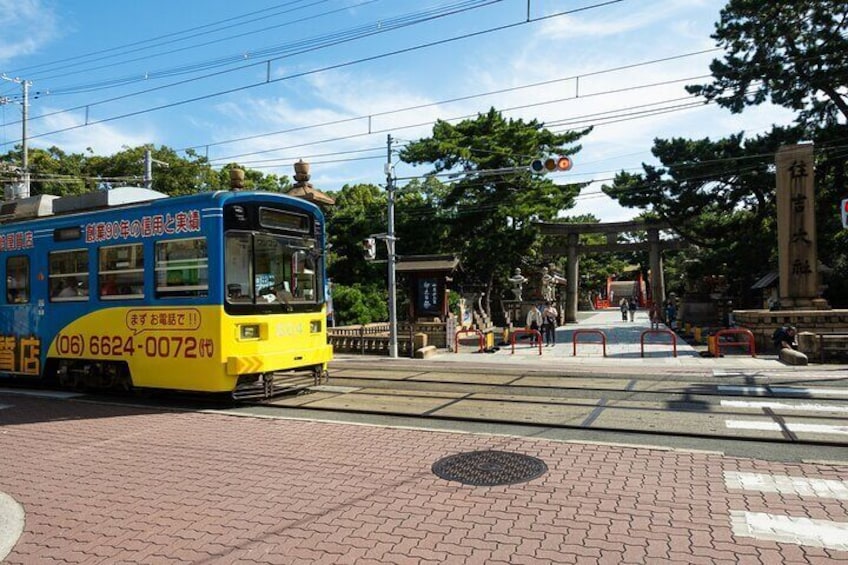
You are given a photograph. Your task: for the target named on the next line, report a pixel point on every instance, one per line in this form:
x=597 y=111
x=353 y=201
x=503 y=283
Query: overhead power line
x=270 y=80
x=160 y=40
x=299 y=47
x=584 y=118
x=480 y=95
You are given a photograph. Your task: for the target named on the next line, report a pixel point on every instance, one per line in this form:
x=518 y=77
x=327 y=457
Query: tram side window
x=182 y=268
x=121 y=274
x=68 y=275
x=17 y=280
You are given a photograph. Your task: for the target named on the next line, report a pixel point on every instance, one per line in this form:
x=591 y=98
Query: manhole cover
x=489 y=468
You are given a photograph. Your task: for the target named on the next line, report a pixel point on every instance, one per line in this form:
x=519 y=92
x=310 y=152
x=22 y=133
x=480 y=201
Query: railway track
x=779 y=415
x=763 y=407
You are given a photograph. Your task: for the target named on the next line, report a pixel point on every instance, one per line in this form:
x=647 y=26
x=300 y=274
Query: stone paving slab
x=624 y=349
x=118 y=484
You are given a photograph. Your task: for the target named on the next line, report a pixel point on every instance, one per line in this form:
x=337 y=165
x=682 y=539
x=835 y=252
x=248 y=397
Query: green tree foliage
x=487 y=215
x=58 y=173
x=359 y=212
x=720 y=194
x=421 y=226
x=793 y=53
x=359 y=304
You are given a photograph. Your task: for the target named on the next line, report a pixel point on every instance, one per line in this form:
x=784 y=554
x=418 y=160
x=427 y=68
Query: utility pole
x=25 y=84
x=390 y=246
x=148 y=168
x=25 y=152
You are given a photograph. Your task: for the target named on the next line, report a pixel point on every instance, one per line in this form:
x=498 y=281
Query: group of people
x=544 y=320
x=658 y=313
x=628 y=307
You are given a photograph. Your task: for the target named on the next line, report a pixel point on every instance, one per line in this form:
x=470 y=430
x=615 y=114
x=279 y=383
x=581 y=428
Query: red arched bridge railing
x=478 y=333
x=535 y=333
x=658 y=332
x=588 y=332
x=716 y=344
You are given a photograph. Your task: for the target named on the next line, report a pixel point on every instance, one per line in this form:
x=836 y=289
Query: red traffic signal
x=558 y=164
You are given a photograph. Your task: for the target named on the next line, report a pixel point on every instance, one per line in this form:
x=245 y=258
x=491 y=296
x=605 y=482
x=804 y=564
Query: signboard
x=796 y=224
x=429 y=298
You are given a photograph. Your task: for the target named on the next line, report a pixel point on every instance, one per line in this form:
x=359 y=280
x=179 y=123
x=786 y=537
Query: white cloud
x=103 y=139
x=27 y=25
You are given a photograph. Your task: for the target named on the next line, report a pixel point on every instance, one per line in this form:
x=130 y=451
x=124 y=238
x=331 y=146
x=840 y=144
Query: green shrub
x=359 y=304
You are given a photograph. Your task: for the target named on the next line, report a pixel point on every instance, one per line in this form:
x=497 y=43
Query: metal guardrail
x=588 y=332
x=716 y=344
x=536 y=333
x=478 y=333
x=658 y=332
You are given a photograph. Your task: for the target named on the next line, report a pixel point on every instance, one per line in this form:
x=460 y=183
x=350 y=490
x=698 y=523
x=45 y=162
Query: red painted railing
x=536 y=333
x=460 y=332
x=719 y=345
x=658 y=332
x=588 y=332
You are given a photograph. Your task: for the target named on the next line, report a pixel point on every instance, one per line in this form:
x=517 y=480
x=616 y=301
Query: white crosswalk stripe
x=777 y=405
x=783 y=391
x=784 y=484
x=794 y=427
x=828 y=534
x=2 y=406
x=787 y=529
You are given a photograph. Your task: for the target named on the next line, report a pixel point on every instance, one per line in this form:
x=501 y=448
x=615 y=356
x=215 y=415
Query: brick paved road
x=107 y=484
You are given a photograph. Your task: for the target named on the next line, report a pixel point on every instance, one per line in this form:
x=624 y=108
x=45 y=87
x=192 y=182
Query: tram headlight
x=249 y=331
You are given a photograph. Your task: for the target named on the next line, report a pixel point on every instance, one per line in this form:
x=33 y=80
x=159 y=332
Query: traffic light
x=558 y=164
x=845 y=213
x=369 y=248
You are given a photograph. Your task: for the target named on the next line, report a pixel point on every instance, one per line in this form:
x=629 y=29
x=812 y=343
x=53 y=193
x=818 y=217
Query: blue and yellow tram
x=213 y=292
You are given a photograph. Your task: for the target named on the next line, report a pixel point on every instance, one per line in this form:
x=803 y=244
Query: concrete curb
x=11 y=523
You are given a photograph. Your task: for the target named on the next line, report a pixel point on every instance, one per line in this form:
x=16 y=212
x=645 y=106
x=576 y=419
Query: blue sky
x=266 y=82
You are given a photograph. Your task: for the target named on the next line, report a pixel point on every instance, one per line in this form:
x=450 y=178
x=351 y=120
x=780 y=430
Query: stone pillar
x=655 y=262
x=796 y=227
x=571 y=277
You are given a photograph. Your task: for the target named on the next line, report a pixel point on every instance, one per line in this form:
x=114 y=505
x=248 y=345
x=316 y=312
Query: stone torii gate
x=571 y=232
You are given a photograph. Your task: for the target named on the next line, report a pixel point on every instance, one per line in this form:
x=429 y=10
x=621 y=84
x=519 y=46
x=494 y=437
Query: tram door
x=20 y=345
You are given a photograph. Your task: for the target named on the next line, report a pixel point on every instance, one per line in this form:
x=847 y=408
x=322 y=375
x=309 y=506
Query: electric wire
x=229 y=22
x=279 y=79
x=286 y=50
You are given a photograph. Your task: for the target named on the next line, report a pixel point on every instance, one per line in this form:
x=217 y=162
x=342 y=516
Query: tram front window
x=265 y=269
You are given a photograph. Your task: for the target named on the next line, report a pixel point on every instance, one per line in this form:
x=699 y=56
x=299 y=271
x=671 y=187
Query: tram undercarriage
x=78 y=374
x=98 y=375
x=271 y=384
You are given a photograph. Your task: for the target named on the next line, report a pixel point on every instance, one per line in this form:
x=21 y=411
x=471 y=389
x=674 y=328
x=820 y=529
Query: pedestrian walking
x=623 y=307
x=671 y=314
x=656 y=316
x=631 y=307
x=534 y=322
x=549 y=324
